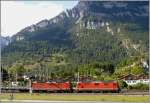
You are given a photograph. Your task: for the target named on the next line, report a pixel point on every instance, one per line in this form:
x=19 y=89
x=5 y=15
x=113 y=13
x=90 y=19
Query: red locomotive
x=99 y=86
x=92 y=86
x=51 y=86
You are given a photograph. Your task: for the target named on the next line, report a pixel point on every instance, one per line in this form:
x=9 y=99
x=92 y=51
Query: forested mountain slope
x=91 y=32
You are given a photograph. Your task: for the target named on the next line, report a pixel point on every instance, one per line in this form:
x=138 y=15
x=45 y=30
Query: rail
x=15 y=87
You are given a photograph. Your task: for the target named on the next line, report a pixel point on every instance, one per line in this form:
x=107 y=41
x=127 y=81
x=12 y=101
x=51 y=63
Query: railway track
x=27 y=89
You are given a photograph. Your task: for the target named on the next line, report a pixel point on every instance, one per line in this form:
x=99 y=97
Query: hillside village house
x=132 y=79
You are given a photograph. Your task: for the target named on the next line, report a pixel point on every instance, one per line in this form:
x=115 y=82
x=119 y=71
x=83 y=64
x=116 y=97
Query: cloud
x=15 y=15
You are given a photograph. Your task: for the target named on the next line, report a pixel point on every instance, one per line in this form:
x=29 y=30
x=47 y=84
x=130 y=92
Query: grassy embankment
x=77 y=97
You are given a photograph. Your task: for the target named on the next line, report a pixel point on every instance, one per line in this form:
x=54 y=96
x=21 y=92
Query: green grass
x=77 y=97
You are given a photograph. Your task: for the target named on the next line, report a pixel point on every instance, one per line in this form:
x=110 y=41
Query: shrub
x=122 y=84
x=140 y=86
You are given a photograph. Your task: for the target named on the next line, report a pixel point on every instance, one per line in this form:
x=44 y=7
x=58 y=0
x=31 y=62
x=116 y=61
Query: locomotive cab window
x=105 y=83
x=96 y=83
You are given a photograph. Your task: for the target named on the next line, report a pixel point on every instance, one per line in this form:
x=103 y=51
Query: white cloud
x=15 y=15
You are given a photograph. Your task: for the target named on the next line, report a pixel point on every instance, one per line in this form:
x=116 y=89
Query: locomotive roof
x=105 y=81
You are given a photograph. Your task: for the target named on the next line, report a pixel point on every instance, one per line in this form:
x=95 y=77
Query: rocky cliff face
x=93 y=15
x=4 y=41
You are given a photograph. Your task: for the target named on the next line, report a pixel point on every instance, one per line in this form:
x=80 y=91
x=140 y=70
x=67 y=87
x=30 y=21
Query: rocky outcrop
x=42 y=24
x=92 y=24
x=4 y=41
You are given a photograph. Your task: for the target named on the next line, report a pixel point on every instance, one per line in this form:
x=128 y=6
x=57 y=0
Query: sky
x=16 y=15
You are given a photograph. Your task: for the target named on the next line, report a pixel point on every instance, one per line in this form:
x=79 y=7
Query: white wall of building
x=133 y=82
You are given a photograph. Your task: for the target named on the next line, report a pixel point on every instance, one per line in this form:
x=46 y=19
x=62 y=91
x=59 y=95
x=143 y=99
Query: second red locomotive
x=50 y=86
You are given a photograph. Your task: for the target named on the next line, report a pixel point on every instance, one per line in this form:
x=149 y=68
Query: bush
x=140 y=86
x=130 y=87
x=122 y=84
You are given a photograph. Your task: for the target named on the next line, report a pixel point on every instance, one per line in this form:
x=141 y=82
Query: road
x=40 y=101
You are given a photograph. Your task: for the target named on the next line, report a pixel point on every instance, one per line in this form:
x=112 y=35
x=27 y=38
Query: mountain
x=92 y=31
